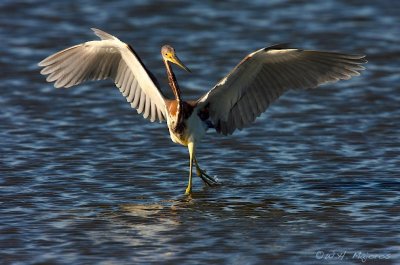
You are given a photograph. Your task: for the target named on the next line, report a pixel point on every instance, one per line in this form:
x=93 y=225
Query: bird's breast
x=190 y=128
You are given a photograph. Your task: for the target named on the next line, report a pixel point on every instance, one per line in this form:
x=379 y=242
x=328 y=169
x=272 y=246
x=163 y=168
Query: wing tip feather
x=103 y=35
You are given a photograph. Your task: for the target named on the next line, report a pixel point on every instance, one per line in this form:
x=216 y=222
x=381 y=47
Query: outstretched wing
x=261 y=77
x=108 y=58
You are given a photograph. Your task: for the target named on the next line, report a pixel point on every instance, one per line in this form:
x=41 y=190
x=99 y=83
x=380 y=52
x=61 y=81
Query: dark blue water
x=85 y=180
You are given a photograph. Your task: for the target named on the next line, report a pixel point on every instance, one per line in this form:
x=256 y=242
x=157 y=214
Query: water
x=85 y=180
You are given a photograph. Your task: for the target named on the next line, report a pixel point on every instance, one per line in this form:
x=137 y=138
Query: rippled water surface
x=85 y=180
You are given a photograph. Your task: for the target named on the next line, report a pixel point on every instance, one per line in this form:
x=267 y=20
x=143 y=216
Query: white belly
x=195 y=130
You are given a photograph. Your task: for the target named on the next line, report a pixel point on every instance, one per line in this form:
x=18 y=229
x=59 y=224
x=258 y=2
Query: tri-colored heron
x=233 y=103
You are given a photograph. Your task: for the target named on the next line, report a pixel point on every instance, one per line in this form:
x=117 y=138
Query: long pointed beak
x=178 y=62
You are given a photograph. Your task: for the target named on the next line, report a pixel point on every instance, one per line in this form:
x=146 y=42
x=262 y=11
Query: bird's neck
x=172 y=82
x=177 y=92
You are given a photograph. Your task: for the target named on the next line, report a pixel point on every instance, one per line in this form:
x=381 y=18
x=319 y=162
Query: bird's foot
x=188 y=191
x=208 y=180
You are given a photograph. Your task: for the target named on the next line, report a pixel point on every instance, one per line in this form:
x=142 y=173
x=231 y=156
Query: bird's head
x=169 y=55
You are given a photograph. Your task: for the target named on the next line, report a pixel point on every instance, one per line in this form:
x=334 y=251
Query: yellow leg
x=191 y=154
x=198 y=169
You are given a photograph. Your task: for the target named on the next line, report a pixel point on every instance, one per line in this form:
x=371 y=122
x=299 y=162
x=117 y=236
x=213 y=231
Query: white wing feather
x=108 y=58
x=262 y=76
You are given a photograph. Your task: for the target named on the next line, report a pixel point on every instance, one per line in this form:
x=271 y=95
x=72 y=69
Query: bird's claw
x=208 y=180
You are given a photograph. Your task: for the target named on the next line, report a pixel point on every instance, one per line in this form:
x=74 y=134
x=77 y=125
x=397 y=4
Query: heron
x=232 y=104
